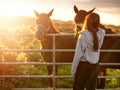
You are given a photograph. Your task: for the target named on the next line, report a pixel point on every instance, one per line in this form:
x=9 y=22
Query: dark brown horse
x=110 y=42
x=45 y=27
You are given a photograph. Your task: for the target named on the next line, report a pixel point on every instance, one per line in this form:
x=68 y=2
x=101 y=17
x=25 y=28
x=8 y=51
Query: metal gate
x=53 y=50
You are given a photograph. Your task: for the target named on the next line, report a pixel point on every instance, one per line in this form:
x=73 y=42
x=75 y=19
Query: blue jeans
x=85 y=76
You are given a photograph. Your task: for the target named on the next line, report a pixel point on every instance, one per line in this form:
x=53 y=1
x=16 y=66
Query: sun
x=13 y=8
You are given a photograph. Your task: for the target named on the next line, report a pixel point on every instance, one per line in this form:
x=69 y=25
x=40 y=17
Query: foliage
x=11 y=40
x=66 y=27
x=113 y=82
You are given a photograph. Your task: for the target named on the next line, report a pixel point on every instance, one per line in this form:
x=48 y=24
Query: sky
x=109 y=10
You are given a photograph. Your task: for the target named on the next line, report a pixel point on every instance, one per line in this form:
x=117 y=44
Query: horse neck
x=47 y=43
x=53 y=30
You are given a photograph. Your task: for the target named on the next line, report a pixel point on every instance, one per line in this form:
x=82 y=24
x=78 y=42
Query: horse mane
x=53 y=29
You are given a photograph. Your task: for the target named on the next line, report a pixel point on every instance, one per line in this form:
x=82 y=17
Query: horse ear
x=75 y=9
x=50 y=13
x=36 y=13
x=90 y=11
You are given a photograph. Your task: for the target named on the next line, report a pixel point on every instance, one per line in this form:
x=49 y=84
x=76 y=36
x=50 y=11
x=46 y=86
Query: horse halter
x=42 y=30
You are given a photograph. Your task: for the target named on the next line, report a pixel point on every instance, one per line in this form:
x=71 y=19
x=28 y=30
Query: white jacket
x=84 y=49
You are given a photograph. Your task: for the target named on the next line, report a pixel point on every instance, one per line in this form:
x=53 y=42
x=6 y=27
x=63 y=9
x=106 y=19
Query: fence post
x=54 y=57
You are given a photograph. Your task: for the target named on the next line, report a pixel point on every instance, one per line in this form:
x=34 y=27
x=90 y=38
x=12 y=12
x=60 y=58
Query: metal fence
x=53 y=50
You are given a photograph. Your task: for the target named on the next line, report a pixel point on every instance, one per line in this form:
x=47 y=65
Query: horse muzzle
x=40 y=34
x=78 y=27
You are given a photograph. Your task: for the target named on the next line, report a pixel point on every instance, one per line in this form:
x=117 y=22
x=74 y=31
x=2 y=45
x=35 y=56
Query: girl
x=87 y=51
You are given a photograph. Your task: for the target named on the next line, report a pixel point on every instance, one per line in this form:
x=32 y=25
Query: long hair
x=92 y=24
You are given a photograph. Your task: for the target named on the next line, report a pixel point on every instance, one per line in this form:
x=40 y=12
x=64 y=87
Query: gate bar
x=46 y=63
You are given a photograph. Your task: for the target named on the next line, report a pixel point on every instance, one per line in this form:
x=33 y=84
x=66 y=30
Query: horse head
x=43 y=24
x=79 y=19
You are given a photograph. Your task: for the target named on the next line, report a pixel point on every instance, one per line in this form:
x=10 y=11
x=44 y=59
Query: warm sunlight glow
x=109 y=19
x=63 y=14
x=9 y=8
x=63 y=10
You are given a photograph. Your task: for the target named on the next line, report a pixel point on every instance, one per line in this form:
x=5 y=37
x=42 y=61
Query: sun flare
x=10 y=8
